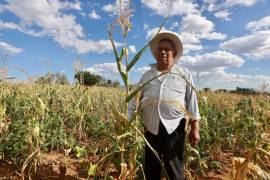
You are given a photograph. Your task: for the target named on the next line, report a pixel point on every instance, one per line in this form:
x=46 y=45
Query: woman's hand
x=194 y=135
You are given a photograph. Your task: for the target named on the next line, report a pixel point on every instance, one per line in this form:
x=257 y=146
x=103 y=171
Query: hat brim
x=167 y=35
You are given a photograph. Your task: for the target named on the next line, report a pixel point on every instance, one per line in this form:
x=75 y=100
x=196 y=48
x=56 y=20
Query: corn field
x=53 y=131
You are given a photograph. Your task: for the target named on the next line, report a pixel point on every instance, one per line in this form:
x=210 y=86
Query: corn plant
x=38 y=119
x=122 y=124
x=124 y=67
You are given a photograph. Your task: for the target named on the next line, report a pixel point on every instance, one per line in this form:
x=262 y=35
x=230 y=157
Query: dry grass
x=79 y=120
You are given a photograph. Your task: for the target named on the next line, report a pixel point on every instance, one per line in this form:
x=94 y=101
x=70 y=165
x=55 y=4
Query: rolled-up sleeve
x=191 y=99
x=132 y=103
x=131 y=108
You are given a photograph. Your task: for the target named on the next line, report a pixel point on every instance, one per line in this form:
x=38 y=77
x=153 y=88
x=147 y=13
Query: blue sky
x=226 y=42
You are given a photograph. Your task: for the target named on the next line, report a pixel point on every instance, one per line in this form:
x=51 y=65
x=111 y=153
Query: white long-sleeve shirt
x=163 y=98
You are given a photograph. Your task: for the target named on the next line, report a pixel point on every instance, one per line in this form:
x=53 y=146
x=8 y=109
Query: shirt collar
x=154 y=66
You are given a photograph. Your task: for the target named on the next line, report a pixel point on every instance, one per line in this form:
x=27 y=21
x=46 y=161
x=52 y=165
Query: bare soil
x=53 y=166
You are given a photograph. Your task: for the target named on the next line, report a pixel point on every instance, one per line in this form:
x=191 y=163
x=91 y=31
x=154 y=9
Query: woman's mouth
x=163 y=58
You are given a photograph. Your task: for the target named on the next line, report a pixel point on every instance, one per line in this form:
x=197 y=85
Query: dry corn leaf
x=242 y=167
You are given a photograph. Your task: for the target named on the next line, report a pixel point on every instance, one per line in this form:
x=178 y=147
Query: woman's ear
x=174 y=53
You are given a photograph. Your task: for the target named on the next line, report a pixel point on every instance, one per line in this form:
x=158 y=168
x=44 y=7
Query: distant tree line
x=88 y=79
x=245 y=91
x=239 y=90
x=82 y=77
x=52 y=78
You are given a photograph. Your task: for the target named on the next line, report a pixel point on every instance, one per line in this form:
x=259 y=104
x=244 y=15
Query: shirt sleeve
x=191 y=99
x=131 y=108
x=132 y=103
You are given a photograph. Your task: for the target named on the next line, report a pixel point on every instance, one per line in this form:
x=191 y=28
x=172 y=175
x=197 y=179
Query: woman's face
x=165 y=54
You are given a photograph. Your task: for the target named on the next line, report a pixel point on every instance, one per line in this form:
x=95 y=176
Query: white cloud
x=196 y=24
x=202 y=27
x=50 y=17
x=175 y=7
x=212 y=36
x=189 y=38
x=9 y=25
x=230 y=3
x=42 y=10
x=114 y=8
x=94 y=15
x=151 y=32
x=210 y=61
x=21 y=28
x=262 y=78
x=9 y=48
x=219 y=78
x=222 y=8
x=107 y=70
x=217 y=5
x=193 y=29
x=142 y=69
x=220 y=75
x=211 y=5
x=191 y=42
x=223 y=14
x=175 y=25
x=254 y=46
x=145 y=26
x=76 y=5
x=109 y=8
x=192 y=47
x=132 y=48
x=261 y=24
x=85 y=46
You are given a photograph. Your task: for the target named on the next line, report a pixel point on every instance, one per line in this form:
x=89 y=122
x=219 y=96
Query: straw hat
x=171 y=36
